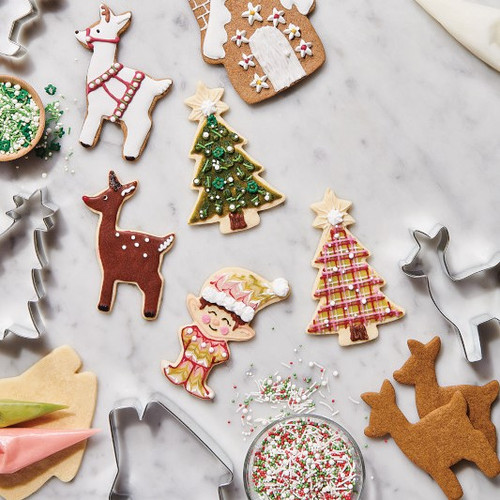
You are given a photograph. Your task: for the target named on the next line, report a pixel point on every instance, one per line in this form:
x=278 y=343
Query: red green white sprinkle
x=304 y=459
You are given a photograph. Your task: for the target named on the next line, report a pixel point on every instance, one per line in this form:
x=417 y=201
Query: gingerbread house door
x=276 y=57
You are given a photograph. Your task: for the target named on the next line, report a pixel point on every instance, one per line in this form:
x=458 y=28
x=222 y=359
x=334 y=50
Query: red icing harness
x=89 y=39
x=131 y=88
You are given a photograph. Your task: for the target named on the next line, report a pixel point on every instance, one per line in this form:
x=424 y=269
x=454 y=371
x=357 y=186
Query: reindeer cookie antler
x=440 y=440
x=114 y=92
x=420 y=371
x=127 y=256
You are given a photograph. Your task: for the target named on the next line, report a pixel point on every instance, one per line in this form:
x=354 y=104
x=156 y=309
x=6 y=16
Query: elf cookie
x=231 y=191
x=228 y=303
x=351 y=304
x=420 y=371
x=440 y=440
x=266 y=46
x=127 y=256
x=114 y=92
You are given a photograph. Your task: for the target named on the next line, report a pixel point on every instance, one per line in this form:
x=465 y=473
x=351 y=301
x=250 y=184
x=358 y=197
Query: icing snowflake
x=240 y=37
x=277 y=17
x=246 y=61
x=292 y=31
x=206 y=102
x=252 y=13
x=332 y=211
x=304 y=48
x=259 y=82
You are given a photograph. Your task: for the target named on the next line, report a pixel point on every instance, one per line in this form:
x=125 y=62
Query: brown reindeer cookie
x=441 y=439
x=266 y=46
x=127 y=256
x=420 y=371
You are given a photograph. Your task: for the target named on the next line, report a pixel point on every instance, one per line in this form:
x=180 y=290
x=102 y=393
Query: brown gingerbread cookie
x=127 y=256
x=266 y=46
x=420 y=371
x=441 y=439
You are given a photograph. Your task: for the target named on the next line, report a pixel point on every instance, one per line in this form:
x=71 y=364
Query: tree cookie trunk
x=237 y=221
x=359 y=333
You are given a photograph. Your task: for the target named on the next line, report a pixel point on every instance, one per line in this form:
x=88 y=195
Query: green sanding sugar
x=19 y=118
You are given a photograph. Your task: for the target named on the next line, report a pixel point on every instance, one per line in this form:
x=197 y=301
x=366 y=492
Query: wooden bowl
x=24 y=85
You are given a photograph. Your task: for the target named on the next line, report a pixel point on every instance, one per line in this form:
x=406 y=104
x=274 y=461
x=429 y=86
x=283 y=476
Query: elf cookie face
x=266 y=46
x=228 y=302
x=127 y=256
x=114 y=92
x=231 y=190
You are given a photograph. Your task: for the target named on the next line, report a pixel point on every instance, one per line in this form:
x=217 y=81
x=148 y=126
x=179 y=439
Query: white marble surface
x=402 y=120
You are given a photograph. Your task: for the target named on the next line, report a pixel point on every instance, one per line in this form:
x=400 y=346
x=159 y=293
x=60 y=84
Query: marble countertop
x=401 y=120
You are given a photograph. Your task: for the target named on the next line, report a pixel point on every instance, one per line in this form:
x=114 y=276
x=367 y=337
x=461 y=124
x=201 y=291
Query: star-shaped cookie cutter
x=41 y=253
x=12 y=24
x=133 y=411
x=466 y=300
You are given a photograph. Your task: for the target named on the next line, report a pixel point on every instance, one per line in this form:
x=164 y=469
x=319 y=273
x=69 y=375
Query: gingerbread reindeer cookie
x=228 y=303
x=440 y=440
x=114 y=92
x=266 y=46
x=127 y=256
x=420 y=371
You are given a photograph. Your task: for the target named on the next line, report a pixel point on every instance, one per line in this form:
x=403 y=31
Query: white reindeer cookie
x=114 y=92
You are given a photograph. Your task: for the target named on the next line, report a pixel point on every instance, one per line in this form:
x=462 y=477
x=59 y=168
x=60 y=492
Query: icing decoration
x=437 y=442
x=231 y=190
x=215 y=33
x=20 y=448
x=272 y=44
x=304 y=458
x=240 y=37
x=475 y=26
x=56 y=377
x=268 y=46
x=246 y=62
x=303 y=6
x=292 y=31
x=304 y=48
x=139 y=262
x=348 y=289
x=252 y=14
x=277 y=17
x=228 y=302
x=259 y=82
x=112 y=88
x=14 y=412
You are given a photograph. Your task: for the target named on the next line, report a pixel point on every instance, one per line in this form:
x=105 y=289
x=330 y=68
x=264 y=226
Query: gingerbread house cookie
x=266 y=46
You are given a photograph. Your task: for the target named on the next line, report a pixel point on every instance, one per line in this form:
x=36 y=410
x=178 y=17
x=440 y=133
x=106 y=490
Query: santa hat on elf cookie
x=243 y=292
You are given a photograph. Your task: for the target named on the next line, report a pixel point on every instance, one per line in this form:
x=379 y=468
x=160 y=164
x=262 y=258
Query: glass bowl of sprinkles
x=22 y=118
x=304 y=458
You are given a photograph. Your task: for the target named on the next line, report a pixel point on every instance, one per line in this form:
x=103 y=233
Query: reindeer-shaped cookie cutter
x=11 y=31
x=49 y=221
x=468 y=334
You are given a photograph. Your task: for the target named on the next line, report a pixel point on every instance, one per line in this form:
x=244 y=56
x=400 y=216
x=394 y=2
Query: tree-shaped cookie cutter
x=41 y=254
x=11 y=24
x=133 y=412
x=467 y=299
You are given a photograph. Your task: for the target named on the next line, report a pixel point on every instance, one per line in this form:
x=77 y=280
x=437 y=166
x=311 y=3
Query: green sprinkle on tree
x=231 y=190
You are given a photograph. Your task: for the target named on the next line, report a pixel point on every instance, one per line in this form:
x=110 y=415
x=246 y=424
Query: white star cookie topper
x=206 y=102
x=331 y=211
x=13 y=15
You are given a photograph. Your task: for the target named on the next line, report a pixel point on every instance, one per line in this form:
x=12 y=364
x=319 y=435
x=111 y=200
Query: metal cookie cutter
x=160 y=451
x=41 y=253
x=468 y=299
x=13 y=15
